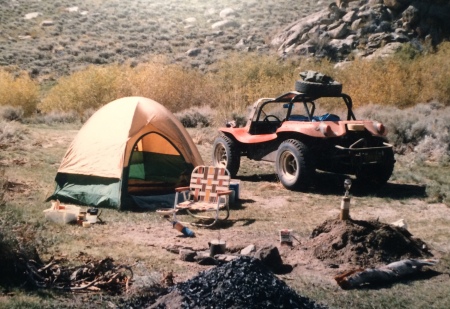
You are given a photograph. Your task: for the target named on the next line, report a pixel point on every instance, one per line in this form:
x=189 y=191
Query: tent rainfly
x=130 y=149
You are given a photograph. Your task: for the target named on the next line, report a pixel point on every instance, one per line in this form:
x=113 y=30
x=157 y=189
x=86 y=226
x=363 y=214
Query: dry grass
x=170 y=85
x=399 y=81
x=239 y=80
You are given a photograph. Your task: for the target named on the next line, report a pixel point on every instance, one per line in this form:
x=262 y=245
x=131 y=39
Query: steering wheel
x=273 y=116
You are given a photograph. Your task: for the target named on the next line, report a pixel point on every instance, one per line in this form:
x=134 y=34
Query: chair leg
x=215 y=218
x=175 y=203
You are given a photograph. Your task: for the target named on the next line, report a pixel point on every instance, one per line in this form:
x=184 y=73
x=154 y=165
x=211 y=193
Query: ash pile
x=242 y=283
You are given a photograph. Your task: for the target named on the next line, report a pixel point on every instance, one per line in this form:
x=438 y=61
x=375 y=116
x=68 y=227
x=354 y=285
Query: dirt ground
x=322 y=247
x=339 y=246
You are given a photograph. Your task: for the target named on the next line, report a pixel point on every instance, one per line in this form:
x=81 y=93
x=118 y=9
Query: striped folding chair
x=207 y=192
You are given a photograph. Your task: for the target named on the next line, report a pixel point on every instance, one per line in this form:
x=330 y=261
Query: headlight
x=379 y=127
x=324 y=129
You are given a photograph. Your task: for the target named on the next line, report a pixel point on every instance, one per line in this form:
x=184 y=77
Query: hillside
x=50 y=39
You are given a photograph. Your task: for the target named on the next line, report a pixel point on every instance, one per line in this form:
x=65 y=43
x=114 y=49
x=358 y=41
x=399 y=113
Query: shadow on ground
x=333 y=184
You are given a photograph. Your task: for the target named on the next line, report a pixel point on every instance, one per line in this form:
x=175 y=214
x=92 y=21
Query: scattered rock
x=248 y=250
x=226 y=13
x=190 y=20
x=225 y=24
x=193 y=52
x=72 y=9
x=187 y=255
x=32 y=15
x=47 y=23
x=270 y=256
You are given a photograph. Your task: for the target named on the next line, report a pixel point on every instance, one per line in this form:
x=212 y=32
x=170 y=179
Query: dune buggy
x=290 y=131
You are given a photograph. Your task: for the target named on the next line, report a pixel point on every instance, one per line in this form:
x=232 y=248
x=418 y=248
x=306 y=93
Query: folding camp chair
x=208 y=191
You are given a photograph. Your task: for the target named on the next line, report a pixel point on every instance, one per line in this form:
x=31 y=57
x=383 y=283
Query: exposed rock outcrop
x=363 y=27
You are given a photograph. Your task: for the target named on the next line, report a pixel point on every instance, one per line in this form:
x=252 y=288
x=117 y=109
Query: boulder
x=349 y=17
x=339 y=32
x=294 y=31
x=387 y=50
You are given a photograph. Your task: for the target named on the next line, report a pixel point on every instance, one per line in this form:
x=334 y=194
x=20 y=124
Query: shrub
x=55 y=117
x=10 y=113
x=11 y=132
x=422 y=129
x=19 y=92
x=196 y=117
x=16 y=250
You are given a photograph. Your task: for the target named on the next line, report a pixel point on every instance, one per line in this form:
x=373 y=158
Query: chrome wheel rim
x=220 y=155
x=289 y=165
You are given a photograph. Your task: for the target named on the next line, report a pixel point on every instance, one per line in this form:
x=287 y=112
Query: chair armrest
x=181 y=189
x=219 y=193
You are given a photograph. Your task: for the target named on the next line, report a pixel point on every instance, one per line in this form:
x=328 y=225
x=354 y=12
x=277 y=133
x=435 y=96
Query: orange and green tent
x=132 y=149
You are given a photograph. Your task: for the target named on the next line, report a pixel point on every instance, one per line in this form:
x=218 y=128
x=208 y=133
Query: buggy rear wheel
x=377 y=175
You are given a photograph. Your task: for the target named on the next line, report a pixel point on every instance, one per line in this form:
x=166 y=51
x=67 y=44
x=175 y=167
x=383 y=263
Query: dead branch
x=93 y=276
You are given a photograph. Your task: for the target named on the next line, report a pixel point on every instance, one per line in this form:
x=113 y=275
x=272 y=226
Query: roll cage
x=308 y=102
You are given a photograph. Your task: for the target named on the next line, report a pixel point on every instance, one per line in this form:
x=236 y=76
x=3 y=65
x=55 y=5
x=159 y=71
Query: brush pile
x=100 y=275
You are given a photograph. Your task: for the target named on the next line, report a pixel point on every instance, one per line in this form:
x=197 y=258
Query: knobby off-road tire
x=294 y=165
x=377 y=175
x=319 y=89
x=226 y=153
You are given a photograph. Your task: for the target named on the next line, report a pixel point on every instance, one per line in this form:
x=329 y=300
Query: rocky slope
x=366 y=28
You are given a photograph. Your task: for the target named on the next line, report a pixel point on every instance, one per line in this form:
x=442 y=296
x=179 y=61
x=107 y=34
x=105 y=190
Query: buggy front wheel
x=226 y=154
x=294 y=165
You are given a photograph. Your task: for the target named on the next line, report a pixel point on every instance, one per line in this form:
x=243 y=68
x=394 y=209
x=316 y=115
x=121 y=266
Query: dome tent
x=130 y=148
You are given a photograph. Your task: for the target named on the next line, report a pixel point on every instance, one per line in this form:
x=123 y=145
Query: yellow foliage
x=239 y=80
x=83 y=90
x=170 y=85
x=19 y=91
